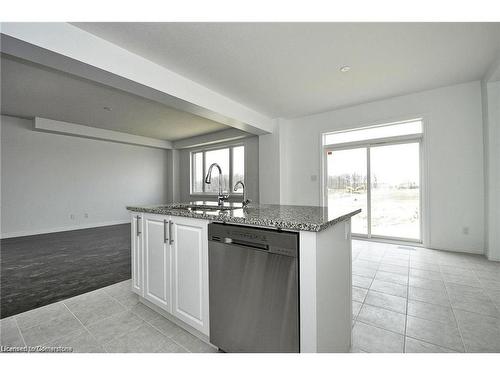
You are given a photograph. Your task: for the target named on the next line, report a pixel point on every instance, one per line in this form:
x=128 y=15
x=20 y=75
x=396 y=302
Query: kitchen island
x=170 y=267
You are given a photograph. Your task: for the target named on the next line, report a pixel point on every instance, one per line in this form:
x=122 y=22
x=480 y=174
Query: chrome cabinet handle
x=165 y=231
x=171 y=241
x=137 y=230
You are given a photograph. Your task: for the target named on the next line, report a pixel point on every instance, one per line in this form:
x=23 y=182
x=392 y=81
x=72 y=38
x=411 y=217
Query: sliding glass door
x=384 y=181
x=395 y=190
x=347 y=184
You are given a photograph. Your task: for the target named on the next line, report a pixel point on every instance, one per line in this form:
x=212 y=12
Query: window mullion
x=204 y=172
x=193 y=170
x=368 y=193
x=230 y=170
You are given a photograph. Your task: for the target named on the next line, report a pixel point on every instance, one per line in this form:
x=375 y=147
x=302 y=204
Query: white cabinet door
x=157 y=262
x=190 y=272
x=136 y=246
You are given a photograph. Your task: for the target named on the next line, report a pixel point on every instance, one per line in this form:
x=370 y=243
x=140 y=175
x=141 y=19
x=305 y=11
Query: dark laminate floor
x=42 y=269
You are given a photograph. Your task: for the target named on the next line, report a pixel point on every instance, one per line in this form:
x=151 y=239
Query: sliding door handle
x=171 y=241
x=137 y=230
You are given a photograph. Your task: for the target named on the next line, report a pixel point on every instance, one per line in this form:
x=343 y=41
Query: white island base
x=170 y=275
x=325 y=290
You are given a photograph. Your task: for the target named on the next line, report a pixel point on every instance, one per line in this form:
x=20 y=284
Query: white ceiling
x=292 y=69
x=30 y=90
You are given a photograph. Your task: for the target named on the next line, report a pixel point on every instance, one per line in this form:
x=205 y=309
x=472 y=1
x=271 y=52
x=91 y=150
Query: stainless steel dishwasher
x=254 y=290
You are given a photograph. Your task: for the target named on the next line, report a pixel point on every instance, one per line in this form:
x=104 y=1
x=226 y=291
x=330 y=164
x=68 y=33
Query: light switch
x=314 y=177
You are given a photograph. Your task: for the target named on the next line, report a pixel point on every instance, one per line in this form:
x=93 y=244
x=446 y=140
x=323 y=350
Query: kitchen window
x=232 y=162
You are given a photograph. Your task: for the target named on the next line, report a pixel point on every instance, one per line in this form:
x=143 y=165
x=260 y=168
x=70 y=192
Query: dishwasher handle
x=255 y=245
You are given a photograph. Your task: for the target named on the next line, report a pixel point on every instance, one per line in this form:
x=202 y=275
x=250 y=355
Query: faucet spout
x=208 y=178
x=221 y=197
x=245 y=201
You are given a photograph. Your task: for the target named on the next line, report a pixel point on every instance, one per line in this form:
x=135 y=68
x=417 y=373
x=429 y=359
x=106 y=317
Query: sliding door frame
x=368 y=144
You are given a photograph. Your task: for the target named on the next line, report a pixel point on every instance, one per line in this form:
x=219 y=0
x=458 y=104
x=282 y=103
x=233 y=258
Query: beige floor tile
x=50 y=330
x=426 y=274
x=480 y=333
x=10 y=335
x=80 y=341
x=356 y=307
x=389 y=288
x=167 y=327
x=382 y=318
x=361 y=281
x=144 y=312
x=376 y=340
x=437 y=297
x=93 y=307
x=192 y=343
x=436 y=333
x=427 y=283
x=386 y=301
x=417 y=346
x=365 y=272
x=432 y=312
x=40 y=315
x=359 y=294
x=401 y=270
x=115 y=326
x=144 y=339
x=392 y=277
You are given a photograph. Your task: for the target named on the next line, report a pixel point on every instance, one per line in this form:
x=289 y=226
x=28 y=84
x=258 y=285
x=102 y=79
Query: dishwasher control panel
x=270 y=240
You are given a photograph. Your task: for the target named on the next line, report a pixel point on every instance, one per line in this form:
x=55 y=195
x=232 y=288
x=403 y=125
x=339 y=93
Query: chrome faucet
x=245 y=201
x=221 y=197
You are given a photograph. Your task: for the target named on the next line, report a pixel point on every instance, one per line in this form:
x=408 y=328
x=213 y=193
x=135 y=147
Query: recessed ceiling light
x=109 y=109
x=345 y=69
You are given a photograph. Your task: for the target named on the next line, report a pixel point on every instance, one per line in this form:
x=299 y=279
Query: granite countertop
x=299 y=218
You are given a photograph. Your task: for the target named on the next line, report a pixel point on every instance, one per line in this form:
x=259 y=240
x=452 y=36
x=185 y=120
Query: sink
x=209 y=208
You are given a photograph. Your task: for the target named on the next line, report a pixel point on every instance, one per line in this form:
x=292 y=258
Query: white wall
x=491 y=108
x=269 y=171
x=173 y=186
x=47 y=177
x=454 y=151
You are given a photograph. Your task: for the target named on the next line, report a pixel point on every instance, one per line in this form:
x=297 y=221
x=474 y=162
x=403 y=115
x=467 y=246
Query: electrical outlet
x=465 y=230
x=86 y=215
x=72 y=217
x=314 y=177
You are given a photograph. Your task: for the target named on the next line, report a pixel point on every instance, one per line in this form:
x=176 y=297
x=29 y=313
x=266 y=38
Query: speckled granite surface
x=305 y=218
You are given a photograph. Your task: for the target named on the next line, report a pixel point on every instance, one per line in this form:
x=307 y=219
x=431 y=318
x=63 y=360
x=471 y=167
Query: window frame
x=376 y=140
x=203 y=151
x=371 y=143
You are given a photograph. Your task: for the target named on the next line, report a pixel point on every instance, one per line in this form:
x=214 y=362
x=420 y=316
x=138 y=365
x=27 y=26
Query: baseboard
x=62 y=229
x=419 y=245
x=459 y=251
x=493 y=259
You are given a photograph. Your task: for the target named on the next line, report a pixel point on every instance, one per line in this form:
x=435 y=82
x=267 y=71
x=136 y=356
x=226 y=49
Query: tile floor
x=110 y=319
x=410 y=299
x=404 y=300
